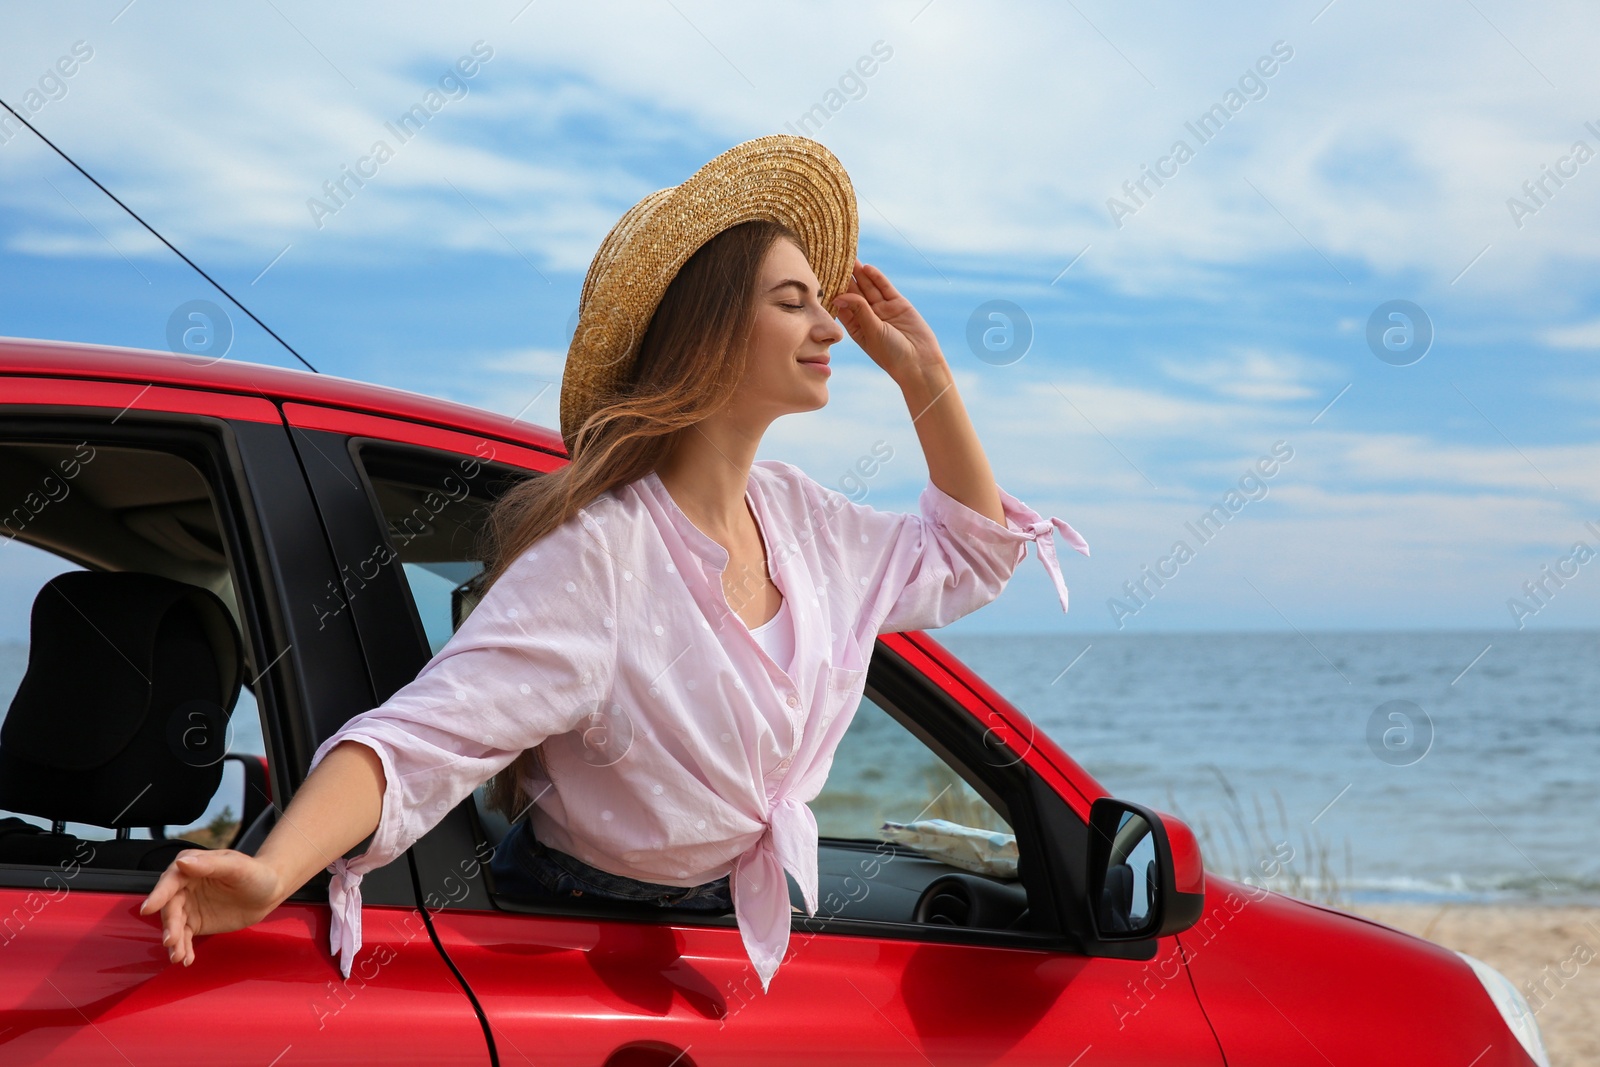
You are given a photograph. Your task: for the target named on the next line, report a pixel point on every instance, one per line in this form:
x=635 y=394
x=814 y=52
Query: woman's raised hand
x=210 y=892
x=885 y=325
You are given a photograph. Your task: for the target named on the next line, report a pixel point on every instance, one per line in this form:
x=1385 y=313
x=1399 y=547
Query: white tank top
x=776 y=635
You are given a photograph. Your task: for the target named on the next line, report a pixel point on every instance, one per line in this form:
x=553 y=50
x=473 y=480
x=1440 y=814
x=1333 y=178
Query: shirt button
x=793 y=701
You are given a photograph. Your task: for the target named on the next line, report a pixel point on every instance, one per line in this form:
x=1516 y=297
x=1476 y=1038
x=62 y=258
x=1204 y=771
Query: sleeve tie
x=344 y=929
x=1040 y=534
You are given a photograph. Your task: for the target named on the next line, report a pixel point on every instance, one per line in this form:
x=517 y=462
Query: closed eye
x=797 y=307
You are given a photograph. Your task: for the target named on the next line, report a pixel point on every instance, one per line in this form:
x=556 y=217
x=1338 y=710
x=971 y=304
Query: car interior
x=887 y=775
x=122 y=700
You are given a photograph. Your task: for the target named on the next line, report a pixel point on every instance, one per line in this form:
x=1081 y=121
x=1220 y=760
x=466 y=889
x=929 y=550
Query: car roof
x=76 y=359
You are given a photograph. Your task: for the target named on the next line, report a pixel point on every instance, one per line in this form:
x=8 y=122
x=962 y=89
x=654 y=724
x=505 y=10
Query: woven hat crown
x=781 y=178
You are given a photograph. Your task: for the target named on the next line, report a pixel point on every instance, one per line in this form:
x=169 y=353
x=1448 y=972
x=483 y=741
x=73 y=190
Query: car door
x=202 y=488
x=863 y=980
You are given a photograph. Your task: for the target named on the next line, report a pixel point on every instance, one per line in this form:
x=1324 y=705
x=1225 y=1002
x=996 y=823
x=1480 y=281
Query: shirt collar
x=700 y=542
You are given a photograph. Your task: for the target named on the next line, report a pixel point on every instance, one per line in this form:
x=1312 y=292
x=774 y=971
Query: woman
x=672 y=636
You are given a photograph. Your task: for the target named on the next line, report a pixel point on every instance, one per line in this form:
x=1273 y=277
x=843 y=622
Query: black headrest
x=122 y=716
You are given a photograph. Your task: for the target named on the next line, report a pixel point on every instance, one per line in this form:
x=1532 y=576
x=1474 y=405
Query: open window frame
x=210 y=446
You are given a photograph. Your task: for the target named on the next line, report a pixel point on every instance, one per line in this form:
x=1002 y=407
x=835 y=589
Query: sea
x=1346 y=767
x=1353 y=767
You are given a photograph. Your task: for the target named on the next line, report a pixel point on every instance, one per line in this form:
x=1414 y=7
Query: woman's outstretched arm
x=534 y=658
x=214 y=891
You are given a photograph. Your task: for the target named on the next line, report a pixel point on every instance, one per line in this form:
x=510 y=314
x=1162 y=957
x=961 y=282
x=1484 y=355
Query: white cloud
x=1579 y=335
x=1406 y=461
x=60 y=243
x=1252 y=374
x=1026 y=143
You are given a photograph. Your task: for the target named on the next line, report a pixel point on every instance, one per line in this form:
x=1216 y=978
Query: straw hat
x=781 y=178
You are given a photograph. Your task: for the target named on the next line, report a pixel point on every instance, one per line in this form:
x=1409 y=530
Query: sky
x=1368 y=268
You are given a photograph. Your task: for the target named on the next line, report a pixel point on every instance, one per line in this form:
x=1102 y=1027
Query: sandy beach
x=1552 y=954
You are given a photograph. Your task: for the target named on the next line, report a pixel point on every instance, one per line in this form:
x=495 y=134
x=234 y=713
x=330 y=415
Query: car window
x=904 y=835
x=438 y=589
x=884 y=776
x=432 y=505
x=107 y=550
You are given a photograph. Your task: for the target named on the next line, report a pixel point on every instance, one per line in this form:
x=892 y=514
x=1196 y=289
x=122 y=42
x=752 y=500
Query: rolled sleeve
x=534 y=658
x=916 y=571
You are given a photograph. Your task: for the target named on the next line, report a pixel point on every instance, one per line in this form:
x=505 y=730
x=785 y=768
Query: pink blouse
x=675 y=750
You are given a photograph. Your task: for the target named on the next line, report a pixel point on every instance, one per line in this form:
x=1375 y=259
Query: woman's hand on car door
x=210 y=891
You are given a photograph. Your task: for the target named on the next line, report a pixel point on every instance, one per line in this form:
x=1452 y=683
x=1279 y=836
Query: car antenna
x=163 y=240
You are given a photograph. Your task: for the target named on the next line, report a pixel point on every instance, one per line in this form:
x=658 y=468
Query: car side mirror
x=1146 y=878
x=257 y=793
x=465 y=597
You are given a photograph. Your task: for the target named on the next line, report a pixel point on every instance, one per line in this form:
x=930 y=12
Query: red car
x=256 y=553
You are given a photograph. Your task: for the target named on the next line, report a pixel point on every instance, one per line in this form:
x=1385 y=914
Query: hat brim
x=781 y=178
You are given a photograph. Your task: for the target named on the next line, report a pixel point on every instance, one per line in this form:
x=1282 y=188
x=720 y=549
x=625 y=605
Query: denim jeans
x=523 y=866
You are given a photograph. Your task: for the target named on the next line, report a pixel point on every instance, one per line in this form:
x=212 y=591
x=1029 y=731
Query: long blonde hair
x=690 y=358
